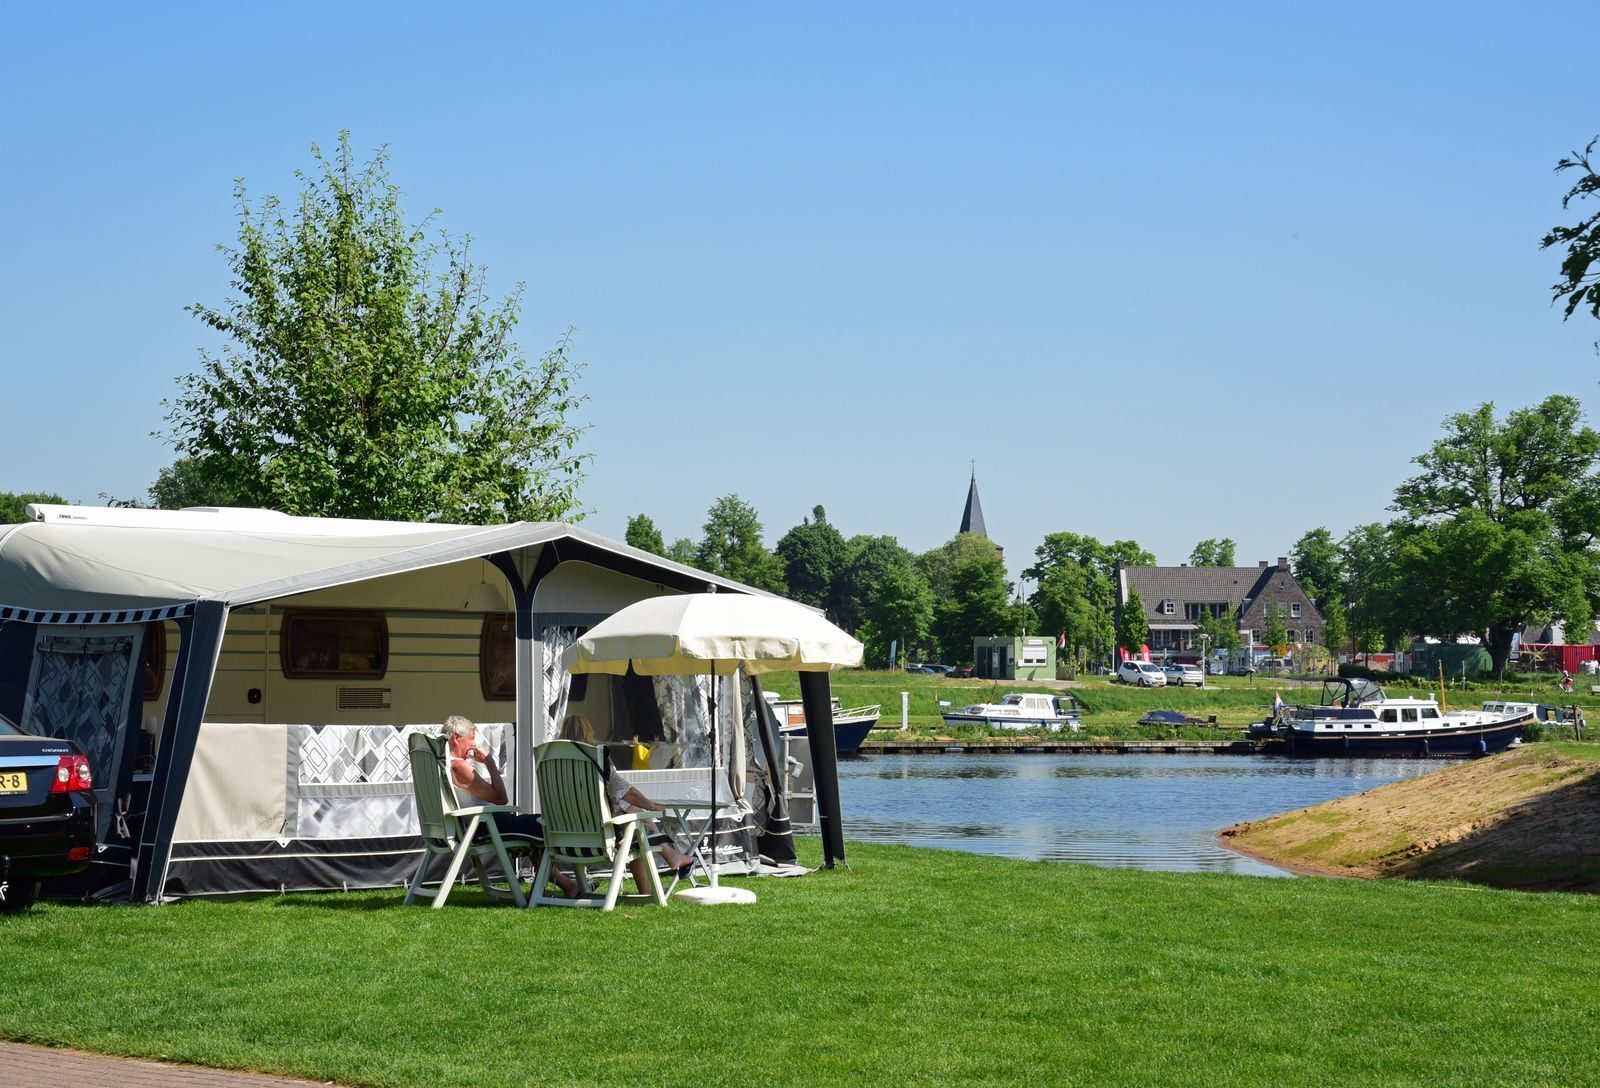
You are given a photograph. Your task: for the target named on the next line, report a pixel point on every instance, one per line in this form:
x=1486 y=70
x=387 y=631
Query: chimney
x=1262 y=564
x=1283 y=562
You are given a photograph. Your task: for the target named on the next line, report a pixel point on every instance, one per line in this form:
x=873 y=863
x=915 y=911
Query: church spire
x=972 y=516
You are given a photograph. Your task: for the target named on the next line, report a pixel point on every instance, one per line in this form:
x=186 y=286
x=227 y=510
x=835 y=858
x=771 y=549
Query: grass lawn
x=915 y=966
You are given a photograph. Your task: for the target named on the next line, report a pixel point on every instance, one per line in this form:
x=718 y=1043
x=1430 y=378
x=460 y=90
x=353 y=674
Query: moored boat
x=850 y=724
x=1022 y=711
x=1356 y=718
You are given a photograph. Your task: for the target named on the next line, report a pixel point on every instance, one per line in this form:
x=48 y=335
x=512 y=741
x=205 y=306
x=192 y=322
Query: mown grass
x=913 y=967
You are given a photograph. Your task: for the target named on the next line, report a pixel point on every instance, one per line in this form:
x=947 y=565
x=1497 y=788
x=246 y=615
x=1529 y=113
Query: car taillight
x=72 y=776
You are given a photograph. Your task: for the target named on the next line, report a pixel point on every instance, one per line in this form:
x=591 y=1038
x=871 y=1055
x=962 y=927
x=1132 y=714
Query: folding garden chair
x=459 y=833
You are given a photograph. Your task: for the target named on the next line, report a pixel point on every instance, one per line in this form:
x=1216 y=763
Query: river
x=1126 y=811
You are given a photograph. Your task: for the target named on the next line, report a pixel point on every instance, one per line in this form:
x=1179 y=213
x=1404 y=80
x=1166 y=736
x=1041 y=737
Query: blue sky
x=1169 y=272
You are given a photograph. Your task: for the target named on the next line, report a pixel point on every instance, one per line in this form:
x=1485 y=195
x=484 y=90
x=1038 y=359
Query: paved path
x=44 y=1067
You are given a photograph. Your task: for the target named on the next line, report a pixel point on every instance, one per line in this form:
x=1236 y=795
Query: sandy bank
x=1528 y=818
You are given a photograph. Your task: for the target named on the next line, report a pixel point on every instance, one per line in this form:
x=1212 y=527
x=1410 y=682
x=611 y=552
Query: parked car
x=1275 y=664
x=1144 y=673
x=46 y=813
x=1179 y=675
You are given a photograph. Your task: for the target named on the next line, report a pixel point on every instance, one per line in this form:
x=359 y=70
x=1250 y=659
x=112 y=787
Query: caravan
x=243 y=682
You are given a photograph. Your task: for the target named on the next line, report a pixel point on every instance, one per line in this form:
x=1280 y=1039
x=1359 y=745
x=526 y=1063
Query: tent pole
x=186 y=707
x=818 y=702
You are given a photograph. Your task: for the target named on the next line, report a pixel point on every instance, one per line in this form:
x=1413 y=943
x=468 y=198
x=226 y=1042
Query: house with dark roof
x=1176 y=599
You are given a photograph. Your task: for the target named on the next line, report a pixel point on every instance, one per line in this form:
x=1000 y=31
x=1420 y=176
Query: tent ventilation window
x=364 y=698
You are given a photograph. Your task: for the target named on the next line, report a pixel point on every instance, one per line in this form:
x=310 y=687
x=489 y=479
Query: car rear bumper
x=38 y=846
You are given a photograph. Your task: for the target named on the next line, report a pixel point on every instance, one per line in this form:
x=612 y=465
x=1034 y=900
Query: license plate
x=13 y=782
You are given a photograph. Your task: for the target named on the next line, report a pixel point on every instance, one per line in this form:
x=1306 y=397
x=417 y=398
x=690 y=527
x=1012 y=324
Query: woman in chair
x=627 y=798
x=476 y=778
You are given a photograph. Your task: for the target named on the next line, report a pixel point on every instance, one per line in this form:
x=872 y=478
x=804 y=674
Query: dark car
x=46 y=813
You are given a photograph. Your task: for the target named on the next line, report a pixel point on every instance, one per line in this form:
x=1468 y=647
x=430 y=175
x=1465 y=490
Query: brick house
x=1176 y=598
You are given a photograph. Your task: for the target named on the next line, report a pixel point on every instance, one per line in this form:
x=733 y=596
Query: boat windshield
x=1011 y=700
x=1350 y=693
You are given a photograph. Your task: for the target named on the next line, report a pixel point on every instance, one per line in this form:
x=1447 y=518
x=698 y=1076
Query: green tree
x=900 y=610
x=683 y=550
x=1335 y=625
x=1276 y=634
x=1213 y=553
x=1317 y=566
x=868 y=562
x=1076 y=575
x=814 y=555
x=1580 y=269
x=971 y=595
x=1367 y=555
x=1498 y=528
x=731 y=546
x=1133 y=629
x=643 y=534
x=14 y=504
x=365 y=372
x=1222 y=632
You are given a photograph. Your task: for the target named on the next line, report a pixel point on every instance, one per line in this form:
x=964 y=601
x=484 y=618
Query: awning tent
x=80 y=582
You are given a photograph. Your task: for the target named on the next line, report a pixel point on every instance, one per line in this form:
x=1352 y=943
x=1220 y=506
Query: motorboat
x=1357 y=718
x=1023 y=711
x=850 y=724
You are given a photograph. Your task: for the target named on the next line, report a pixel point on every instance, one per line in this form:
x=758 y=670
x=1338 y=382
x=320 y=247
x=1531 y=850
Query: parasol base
x=719 y=894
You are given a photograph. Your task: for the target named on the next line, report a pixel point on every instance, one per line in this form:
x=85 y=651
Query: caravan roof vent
x=364 y=698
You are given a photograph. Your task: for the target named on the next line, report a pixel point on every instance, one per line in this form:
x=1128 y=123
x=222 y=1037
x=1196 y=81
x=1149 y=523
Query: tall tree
x=683 y=550
x=1075 y=575
x=1213 y=553
x=971 y=596
x=731 y=546
x=14 y=504
x=1366 y=553
x=1580 y=269
x=1276 y=634
x=1498 y=528
x=1133 y=629
x=867 y=566
x=900 y=610
x=814 y=554
x=1316 y=564
x=365 y=373
x=643 y=534
x=1335 y=625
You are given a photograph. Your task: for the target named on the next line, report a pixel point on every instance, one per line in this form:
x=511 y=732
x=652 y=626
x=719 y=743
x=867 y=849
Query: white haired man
x=476 y=778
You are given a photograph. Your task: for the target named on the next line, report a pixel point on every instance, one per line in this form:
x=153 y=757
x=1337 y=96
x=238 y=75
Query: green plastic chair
x=580 y=831
x=459 y=833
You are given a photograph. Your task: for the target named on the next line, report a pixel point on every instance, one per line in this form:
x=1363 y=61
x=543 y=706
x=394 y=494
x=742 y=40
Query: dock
x=1061 y=747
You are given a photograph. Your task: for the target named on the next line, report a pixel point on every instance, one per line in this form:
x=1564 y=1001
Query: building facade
x=1176 y=599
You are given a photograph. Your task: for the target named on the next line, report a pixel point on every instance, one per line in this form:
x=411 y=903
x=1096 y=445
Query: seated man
x=627 y=798
x=476 y=780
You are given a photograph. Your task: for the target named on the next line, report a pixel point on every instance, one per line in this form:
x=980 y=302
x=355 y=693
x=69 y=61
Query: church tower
x=972 y=516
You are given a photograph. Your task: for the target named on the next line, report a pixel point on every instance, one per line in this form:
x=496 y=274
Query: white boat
x=1356 y=718
x=1023 y=711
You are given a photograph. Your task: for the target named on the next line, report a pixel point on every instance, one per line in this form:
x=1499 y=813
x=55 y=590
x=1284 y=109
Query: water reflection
x=1125 y=811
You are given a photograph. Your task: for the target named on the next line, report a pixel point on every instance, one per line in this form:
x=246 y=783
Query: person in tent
x=627 y=798
x=476 y=778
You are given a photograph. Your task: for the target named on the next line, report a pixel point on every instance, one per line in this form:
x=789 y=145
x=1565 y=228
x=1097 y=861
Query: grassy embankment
x=1111 y=710
x=1527 y=818
x=914 y=966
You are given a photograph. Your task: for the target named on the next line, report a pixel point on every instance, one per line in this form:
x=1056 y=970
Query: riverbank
x=1527 y=819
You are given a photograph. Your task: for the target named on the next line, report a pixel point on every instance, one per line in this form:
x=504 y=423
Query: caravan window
x=497 y=663
x=153 y=659
x=333 y=645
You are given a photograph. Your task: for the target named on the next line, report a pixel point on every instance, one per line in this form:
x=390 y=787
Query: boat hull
x=848 y=734
x=1466 y=740
x=1032 y=725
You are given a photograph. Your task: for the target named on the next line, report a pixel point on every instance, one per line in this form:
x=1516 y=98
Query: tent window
x=333 y=645
x=497 y=660
x=153 y=660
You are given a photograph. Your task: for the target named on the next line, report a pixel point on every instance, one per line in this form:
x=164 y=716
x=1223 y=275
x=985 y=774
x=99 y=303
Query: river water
x=1126 y=811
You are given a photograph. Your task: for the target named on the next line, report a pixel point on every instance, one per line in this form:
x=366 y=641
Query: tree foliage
x=1317 y=566
x=643 y=534
x=14 y=504
x=971 y=596
x=1580 y=268
x=1276 y=634
x=814 y=554
x=1498 y=529
x=1076 y=578
x=366 y=373
x=731 y=546
x=1213 y=553
x=1133 y=629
